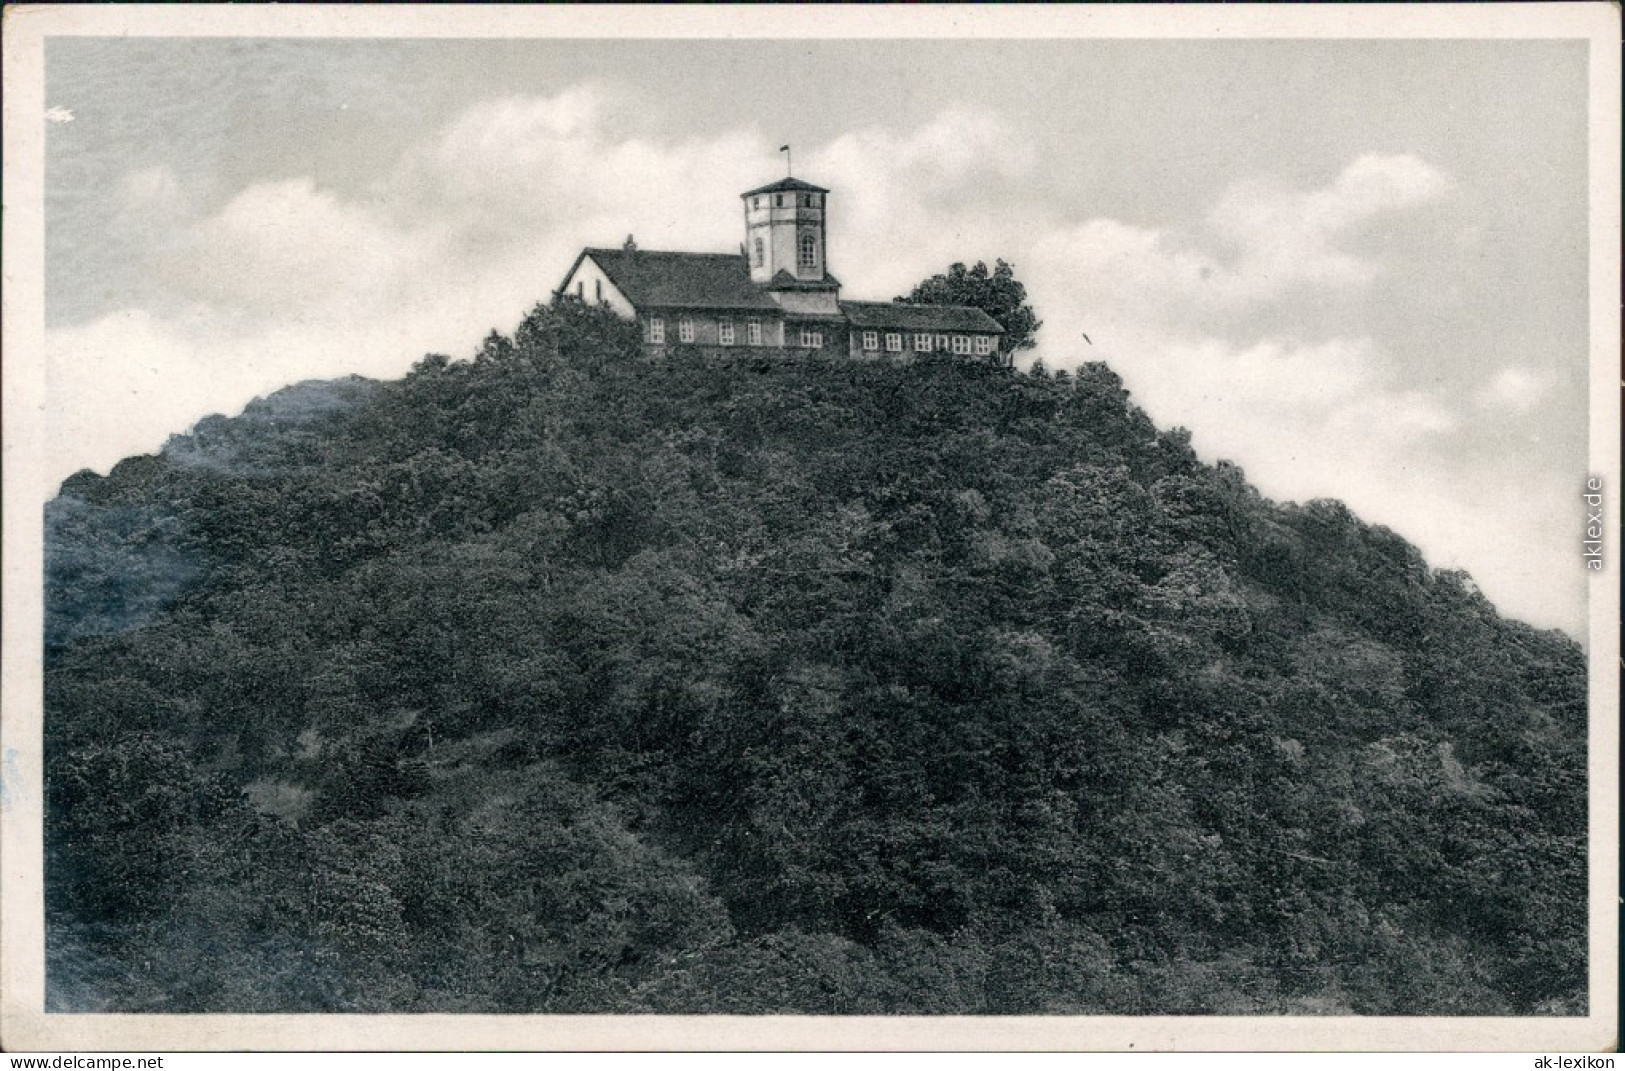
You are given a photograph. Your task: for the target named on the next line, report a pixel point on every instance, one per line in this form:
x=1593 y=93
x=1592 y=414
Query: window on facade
x=758 y=248
x=922 y=343
x=809 y=250
x=753 y=332
x=756 y=202
x=984 y=345
x=598 y=290
x=657 y=330
x=894 y=342
x=942 y=343
x=871 y=340
x=961 y=343
x=581 y=288
x=725 y=332
x=811 y=339
x=778 y=200
x=685 y=329
x=813 y=197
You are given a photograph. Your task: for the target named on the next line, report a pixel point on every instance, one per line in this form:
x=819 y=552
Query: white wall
x=588 y=275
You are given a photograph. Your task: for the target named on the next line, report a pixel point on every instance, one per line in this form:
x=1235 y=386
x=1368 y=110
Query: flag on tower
x=789 y=159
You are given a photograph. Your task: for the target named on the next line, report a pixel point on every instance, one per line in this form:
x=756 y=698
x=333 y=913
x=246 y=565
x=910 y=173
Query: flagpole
x=789 y=161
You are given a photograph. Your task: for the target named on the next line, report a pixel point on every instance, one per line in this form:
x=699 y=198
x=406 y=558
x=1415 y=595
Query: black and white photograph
x=927 y=527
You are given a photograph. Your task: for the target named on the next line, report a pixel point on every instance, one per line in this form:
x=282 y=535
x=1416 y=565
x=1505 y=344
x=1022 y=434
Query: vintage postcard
x=925 y=527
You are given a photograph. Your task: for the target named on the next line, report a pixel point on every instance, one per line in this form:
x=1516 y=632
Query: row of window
x=811 y=338
x=805 y=200
x=806 y=250
x=725 y=332
x=924 y=342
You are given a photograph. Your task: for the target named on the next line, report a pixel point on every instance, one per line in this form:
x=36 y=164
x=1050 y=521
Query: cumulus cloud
x=1290 y=237
x=289 y=246
x=1513 y=390
x=913 y=195
x=1179 y=314
x=1262 y=243
x=123 y=383
x=290 y=279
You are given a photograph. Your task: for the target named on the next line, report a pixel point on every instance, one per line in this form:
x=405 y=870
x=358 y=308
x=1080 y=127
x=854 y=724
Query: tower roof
x=785 y=184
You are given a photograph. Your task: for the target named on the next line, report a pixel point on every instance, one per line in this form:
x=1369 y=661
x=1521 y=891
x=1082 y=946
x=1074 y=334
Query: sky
x=1356 y=268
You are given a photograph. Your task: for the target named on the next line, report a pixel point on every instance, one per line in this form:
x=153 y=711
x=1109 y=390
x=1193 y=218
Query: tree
x=999 y=294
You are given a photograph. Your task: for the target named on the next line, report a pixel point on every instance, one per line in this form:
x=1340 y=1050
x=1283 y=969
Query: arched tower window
x=808 y=255
x=759 y=254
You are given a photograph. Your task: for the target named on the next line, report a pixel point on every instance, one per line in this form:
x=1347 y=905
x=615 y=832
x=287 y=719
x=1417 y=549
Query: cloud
x=123 y=383
x=1288 y=238
x=291 y=279
x=1261 y=244
x=918 y=196
x=510 y=169
x=289 y=245
x=1513 y=390
x=1188 y=318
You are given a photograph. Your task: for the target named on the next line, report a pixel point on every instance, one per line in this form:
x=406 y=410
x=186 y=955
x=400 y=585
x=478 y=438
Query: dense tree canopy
x=561 y=680
x=997 y=293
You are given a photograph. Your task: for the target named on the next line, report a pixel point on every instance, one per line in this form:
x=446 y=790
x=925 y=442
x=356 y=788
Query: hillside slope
x=560 y=681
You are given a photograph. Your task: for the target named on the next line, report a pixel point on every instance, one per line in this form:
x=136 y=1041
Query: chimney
x=630 y=246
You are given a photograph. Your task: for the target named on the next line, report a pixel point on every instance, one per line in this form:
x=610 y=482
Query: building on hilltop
x=776 y=292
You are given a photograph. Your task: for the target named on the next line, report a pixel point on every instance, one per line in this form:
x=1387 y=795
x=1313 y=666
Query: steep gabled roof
x=884 y=315
x=693 y=280
x=784 y=184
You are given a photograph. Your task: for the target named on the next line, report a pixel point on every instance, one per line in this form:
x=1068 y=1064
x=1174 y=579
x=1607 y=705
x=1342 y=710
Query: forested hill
x=558 y=680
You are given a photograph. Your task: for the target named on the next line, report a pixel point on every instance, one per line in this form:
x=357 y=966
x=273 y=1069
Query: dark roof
x=890 y=314
x=694 y=280
x=784 y=184
x=783 y=280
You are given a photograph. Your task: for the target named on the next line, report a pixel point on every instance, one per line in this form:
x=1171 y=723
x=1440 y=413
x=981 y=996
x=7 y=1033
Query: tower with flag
x=777 y=292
